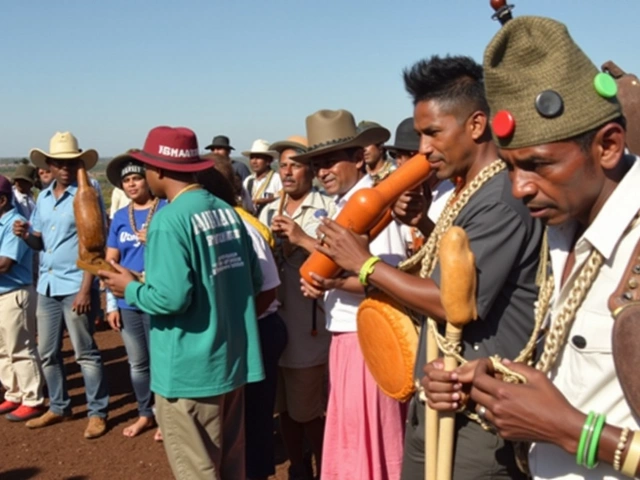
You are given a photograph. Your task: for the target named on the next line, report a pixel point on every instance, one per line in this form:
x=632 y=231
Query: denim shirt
x=54 y=220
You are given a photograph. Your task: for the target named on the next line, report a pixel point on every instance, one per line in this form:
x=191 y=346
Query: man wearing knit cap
x=559 y=127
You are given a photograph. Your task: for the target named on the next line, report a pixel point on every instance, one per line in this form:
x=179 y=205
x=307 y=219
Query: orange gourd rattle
x=368 y=209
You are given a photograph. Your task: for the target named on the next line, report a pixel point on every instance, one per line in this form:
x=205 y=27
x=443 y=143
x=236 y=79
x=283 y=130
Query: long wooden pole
x=431 y=416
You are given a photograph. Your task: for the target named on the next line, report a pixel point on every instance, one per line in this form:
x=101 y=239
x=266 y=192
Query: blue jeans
x=52 y=314
x=135 y=335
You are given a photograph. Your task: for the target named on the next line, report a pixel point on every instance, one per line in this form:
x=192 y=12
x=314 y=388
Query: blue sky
x=111 y=70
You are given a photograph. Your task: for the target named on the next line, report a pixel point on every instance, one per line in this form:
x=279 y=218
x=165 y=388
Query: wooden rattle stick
x=90 y=226
x=431 y=416
x=458 y=294
x=283 y=197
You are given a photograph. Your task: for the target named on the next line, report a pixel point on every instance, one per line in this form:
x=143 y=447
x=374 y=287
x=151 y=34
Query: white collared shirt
x=342 y=306
x=271 y=189
x=585 y=372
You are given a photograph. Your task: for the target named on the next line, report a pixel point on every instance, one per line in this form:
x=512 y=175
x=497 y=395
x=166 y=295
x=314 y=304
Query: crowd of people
x=527 y=155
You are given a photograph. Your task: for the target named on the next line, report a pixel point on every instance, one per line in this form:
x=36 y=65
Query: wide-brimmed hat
x=406 y=137
x=296 y=142
x=63 y=146
x=541 y=87
x=25 y=172
x=116 y=164
x=172 y=148
x=219 y=141
x=331 y=130
x=260 y=147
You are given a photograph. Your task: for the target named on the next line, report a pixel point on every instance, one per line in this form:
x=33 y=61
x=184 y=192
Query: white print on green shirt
x=212 y=219
x=222 y=237
x=227 y=261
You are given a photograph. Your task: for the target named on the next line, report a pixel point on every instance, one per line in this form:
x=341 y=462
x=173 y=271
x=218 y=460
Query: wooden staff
x=431 y=416
x=458 y=294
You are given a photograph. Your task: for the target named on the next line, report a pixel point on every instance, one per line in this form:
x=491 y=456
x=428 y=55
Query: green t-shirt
x=201 y=273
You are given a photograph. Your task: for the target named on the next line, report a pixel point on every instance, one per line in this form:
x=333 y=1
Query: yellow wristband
x=367 y=269
x=633 y=456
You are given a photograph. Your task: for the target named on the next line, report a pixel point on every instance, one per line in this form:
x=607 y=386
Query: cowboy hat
x=115 y=165
x=25 y=172
x=63 y=146
x=295 y=142
x=331 y=130
x=260 y=147
x=172 y=149
x=406 y=137
x=219 y=141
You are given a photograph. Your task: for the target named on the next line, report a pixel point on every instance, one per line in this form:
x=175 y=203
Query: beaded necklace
x=132 y=218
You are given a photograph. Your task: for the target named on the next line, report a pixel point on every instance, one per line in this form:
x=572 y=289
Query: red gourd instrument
x=368 y=211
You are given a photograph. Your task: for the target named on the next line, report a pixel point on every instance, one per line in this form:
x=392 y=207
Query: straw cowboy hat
x=260 y=147
x=295 y=142
x=63 y=146
x=331 y=130
x=173 y=149
x=219 y=141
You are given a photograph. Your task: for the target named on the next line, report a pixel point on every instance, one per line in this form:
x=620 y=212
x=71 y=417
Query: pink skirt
x=364 y=433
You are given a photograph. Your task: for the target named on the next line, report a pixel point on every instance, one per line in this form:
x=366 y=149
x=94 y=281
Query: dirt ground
x=60 y=452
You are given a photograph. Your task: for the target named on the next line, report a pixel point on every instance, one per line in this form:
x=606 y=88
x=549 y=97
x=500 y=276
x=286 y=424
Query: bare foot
x=158 y=436
x=139 y=426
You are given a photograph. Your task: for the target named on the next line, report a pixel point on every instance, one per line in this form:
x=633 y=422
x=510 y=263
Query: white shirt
x=119 y=200
x=439 y=197
x=342 y=306
x=270 y=277
x=272 y=188
x=24 y=203
x=587 y=376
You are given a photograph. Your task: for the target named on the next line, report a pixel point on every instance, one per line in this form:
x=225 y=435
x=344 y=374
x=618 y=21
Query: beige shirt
x=119 y=200
x=302 y=350
x=587 y=376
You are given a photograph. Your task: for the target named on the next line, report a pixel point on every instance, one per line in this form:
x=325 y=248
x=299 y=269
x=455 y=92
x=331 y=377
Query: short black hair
x=452 y=80
x=585 y=140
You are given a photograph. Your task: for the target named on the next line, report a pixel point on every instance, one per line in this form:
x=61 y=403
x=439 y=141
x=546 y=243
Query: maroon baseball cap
x=174 y=149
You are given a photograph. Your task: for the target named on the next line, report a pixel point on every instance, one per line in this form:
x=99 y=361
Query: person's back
x=201 y=274
x=203 y=315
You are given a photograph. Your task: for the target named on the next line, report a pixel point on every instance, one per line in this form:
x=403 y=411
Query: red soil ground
x=61 y=452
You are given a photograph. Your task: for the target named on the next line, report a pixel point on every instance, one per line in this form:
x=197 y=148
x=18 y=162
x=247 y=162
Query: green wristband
x=592 y=458
x=586 y=428
x=367 y=269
